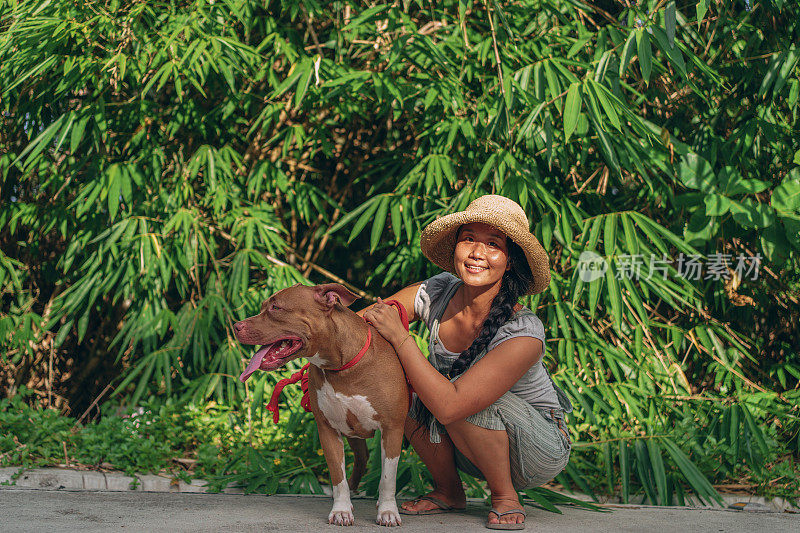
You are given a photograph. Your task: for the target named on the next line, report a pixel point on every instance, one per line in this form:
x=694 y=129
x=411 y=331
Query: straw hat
x=438 y=240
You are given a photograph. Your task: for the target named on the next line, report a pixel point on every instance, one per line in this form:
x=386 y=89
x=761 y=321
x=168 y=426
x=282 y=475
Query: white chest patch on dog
x=335 y=406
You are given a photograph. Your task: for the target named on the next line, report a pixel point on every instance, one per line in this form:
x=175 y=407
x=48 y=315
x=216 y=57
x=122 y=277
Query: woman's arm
x=406 y=297
x=477 y=388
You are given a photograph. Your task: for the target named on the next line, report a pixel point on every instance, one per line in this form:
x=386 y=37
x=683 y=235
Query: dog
x=348 y=396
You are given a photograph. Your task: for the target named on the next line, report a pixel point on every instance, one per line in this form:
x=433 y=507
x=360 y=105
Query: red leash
x=302 y=374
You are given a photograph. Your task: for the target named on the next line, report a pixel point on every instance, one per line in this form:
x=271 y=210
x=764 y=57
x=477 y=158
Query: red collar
x=358 y=356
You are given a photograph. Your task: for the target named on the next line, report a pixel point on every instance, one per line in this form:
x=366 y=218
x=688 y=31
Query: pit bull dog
x=346 y=398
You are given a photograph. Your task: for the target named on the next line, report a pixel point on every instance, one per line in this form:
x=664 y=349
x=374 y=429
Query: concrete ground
x=53 y=510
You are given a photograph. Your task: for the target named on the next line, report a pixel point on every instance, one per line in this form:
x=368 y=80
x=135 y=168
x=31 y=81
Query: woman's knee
x=473 y=440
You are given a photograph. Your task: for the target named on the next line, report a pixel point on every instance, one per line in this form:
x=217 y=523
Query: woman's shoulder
x=526 y=320
x=524 y=323
x=437 y=284
x=429 y=292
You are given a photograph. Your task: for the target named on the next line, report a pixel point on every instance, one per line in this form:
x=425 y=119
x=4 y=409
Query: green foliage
x=137 y=442
x=219 y=446
x=166 y=166
x=150 y=438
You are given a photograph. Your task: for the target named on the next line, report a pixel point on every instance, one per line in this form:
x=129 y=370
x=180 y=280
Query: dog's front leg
x=342 y=511
x=391 y=444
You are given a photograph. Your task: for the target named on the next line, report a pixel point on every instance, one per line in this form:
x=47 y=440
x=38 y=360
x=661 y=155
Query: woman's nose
x=478 y=250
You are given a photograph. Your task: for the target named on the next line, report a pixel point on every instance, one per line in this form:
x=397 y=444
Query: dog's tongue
x=255 y=363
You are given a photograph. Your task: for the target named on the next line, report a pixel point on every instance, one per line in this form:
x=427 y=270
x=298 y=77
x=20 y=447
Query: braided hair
x=514 y=285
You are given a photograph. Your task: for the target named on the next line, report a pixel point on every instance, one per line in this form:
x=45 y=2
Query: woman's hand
x=386 y=320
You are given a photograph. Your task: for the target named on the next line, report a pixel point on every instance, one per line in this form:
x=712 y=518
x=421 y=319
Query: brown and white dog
x=311 y=322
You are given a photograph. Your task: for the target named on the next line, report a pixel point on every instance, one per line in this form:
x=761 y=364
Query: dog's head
x=288 y=323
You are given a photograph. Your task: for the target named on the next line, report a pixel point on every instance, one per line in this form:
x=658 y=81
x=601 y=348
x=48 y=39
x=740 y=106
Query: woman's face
x=481 y=254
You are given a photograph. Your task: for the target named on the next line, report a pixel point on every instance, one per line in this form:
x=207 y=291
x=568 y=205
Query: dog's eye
x=273 y=307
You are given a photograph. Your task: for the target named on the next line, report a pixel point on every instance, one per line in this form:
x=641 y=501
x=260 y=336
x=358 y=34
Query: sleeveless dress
x=531 y=412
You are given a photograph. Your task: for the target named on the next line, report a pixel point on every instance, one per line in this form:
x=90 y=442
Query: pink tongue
x=254 y=364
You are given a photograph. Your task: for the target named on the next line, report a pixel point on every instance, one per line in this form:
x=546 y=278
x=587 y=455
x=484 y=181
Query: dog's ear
x=328 y=293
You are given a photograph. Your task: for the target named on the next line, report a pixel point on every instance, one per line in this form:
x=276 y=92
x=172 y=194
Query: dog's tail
x=359 y=447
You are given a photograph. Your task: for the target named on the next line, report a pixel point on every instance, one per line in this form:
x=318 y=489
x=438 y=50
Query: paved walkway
x=56 y=499
x=32 y=510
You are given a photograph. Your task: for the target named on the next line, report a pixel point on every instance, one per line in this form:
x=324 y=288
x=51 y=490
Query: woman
x=484 y=403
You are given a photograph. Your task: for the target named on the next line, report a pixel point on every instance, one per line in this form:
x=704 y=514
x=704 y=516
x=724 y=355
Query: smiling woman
x=486 y=404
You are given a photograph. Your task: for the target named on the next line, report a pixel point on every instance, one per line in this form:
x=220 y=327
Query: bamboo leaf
x=608 y=463
x=658 y=471
x=772 y=73
x=407 y=214
x=572 y=108
x=692 y=474
x=614 y=297
x=624 y=471
x=755 y=431
x=368 y=15
x=702 y=8
x=304 y=82
x=631 y=242
x=645 y=53
x=627 y=53
x=351 y=215
x=40 y=142
x=609 y=235
x=542 y=501
x=644 y=471
x=669 y=22
x=396 y=221
x=379 y=223
x=608 y=107
x=609 y=153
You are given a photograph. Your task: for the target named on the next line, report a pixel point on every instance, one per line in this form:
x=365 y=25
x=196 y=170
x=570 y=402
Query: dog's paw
x=388 y=515
x=340 y=517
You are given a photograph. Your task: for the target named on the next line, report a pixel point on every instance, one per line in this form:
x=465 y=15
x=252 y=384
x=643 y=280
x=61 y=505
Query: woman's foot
x=502 y=505
x=432 y=502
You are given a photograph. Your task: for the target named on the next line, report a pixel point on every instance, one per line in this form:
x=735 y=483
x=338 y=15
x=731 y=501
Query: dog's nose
x=238 y=327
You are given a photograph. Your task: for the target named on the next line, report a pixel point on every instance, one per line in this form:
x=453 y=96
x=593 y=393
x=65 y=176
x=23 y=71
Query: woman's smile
x=474 y=269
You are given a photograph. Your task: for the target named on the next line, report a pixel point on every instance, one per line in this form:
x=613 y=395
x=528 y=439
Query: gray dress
x=531 y=412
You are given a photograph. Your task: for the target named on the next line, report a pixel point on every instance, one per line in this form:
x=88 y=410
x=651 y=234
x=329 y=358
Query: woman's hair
x=516 y=281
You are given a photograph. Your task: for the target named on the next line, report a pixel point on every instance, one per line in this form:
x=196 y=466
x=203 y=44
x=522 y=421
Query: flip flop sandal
x=442 y=507
x=506 y=526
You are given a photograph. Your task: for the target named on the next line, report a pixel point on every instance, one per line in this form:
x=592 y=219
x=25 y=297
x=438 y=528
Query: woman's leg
x=488 y=449
x=439 y=460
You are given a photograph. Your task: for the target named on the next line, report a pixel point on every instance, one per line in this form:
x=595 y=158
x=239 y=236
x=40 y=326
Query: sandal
x=442 y=507
x=511 y=525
